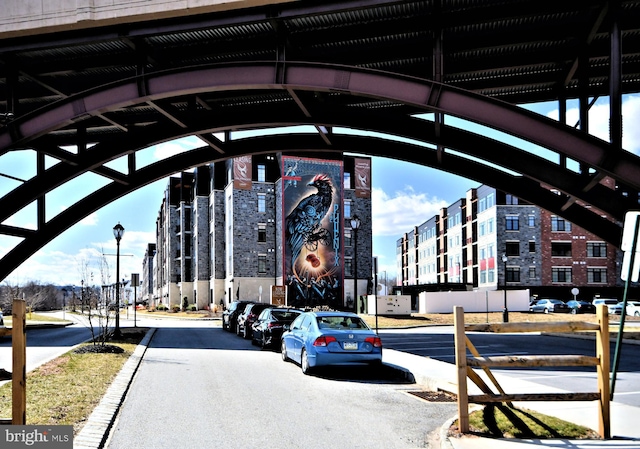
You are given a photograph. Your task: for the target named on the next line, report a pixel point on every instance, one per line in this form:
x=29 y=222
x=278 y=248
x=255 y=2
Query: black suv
x=230 y=315
x=244 y=326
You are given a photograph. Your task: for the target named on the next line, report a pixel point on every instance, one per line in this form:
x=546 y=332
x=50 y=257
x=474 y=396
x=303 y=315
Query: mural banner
x=362 y=170
x=242 y=173
x=313 y=227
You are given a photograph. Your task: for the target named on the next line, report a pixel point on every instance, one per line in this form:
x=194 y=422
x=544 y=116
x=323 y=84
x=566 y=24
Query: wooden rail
x=464 y=366
x=18 y=334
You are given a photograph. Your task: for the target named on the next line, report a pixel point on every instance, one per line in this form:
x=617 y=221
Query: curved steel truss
x=120 y=119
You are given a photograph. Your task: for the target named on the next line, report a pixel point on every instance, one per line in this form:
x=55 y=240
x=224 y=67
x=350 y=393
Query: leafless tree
x=96 y=312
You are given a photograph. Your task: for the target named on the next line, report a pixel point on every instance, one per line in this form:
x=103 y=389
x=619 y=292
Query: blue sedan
x=330 y=338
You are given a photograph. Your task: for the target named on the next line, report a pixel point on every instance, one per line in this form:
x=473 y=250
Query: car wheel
x=245 y=332
x=636 y=314
x=574 y=311
x=283 y=351
x=304 y=362
x=263 y=342
x=224 y=326
x=546 y=310
x=238 y=333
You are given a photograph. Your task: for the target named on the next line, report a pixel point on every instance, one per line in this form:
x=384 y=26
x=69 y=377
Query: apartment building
x=492 y=240
x=235 y=229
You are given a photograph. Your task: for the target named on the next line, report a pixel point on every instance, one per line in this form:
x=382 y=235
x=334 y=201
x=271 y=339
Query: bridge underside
x=110 y=93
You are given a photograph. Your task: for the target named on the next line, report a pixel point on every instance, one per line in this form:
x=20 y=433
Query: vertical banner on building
x=362 y=171
x=313 y=226
x=242 y=173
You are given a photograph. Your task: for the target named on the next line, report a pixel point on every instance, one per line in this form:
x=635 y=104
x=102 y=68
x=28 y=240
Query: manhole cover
x=435 y=396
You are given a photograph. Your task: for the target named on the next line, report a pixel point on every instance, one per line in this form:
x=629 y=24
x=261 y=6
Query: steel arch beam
x=412 y=94
x=522 y=187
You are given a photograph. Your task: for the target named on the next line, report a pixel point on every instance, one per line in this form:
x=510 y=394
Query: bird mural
x=303 y=227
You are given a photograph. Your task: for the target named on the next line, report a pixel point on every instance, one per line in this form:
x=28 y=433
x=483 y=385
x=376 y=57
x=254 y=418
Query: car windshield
x=282 y=315
x=340 y=322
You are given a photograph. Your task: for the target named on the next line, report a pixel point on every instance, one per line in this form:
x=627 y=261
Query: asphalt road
x=44 y=345
x=437 y=343
x=203 y=387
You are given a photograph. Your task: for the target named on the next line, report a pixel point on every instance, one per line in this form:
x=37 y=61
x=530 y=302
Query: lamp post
x=118 y=232
x=505 y=311
x=355 y=225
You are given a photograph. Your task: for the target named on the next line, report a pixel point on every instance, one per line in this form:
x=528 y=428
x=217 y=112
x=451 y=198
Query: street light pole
x=118 y=232
x=505 y=311
x=355 y=225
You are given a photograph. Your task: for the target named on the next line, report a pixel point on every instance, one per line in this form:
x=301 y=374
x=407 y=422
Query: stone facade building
x=233 y=230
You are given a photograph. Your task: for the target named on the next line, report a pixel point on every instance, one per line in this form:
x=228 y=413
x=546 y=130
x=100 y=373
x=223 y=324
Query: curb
x=95 y=432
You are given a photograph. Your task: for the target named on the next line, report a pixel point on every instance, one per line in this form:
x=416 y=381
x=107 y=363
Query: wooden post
x=602 y=353
x=461 y=364
x=19 y=381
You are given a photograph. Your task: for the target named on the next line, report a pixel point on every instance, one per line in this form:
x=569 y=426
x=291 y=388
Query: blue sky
x=404 y=195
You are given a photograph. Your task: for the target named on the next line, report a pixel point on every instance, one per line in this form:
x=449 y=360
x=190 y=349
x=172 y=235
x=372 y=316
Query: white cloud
x=168 y=149
x=599 y=121
x=397 y=214
x=90 y=220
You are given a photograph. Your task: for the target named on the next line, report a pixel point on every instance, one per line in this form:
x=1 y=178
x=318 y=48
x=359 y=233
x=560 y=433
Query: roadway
x=201 y=384
x=437 y=343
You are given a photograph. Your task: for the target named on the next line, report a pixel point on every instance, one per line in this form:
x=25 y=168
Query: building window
x=491 y=200
x=262 y=173
x=347 y=180
x=347 y=209
x=262 y=202
x=512 y=248
x=512 y=223
x=596 y=249
x=532 y=246
x=596 y=275
x=561 y=249
x=348 y=266
x=262 y=232
x=532 y=220
x=347 y=238
x=262 y=263
x=560 y=224
x=532 y=272
x=482 y=204
x=561 y=274
x=510 y=199
x=481 y=229
x=513 y=274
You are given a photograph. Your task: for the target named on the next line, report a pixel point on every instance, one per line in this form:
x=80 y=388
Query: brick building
x=492 y=240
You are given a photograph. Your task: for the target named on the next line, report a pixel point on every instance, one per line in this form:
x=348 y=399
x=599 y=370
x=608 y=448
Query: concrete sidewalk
x=434 y=375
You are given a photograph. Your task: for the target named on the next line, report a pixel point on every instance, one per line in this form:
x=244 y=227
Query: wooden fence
x=19 y=374
x=465 y=364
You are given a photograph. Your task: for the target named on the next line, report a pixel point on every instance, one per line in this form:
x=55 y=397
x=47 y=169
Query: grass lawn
x=65 y=390
x=500 y=421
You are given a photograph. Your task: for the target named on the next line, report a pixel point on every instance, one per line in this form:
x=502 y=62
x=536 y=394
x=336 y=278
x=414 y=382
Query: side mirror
x=286 y=327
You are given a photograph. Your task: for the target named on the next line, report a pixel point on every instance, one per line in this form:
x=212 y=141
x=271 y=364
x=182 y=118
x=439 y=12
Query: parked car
x=550 y=305
x=1 y=320
x=606 y=301
x=633 y=308
x=230 y=315
x=268 y=328
x=615 y=309
x=578 y=306
x=330 y=338
x=246 y=319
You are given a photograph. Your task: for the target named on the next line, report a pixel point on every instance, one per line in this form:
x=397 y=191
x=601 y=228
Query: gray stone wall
x=200 y=254
x=217 y=229
x=524 y=235
x=245 y=231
